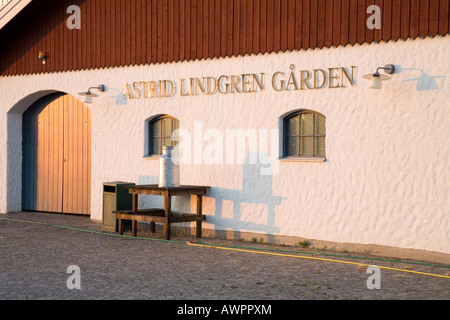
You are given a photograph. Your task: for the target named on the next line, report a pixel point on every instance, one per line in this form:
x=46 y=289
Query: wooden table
x=165 y=215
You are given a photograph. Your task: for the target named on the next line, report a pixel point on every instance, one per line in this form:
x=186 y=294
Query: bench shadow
x=251 y=209
x=232 y=212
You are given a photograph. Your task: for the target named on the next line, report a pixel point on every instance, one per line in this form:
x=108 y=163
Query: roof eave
x=10 y=10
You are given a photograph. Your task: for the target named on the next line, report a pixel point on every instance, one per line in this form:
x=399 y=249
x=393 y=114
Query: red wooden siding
x=133 y=32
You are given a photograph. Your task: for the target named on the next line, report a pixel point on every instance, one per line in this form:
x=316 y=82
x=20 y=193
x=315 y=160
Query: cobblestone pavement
x=35 y=257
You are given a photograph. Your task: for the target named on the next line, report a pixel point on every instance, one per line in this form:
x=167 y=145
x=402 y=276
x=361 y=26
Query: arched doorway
x=56 y=161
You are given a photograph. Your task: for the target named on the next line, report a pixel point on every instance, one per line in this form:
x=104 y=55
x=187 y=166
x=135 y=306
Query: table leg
x=199 y=212
x=167 y=210
x=120 y=226
x=134 y=227
x=135 y=205
x=135 y=202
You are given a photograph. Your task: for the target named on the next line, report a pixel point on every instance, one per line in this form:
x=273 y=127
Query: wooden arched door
x=56 y=175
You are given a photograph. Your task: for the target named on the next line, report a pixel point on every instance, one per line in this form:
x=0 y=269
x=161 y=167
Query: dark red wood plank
x=217 y=27
x=263 y=27
x=182 y=37
x=345 y=13
x=405 y=20
x=284 y=25
x=243 y=28
x=236 y=25
x=170 y=30
x=306 y=24
x=249 y=27
x=321 y=8
x=353 y=21
x=361 y=27
x=386 y=22
x=187 y=28
x=123 y=38
x=143 y=26
x=298 y=24
x=424 y=7
x=205 y=28
x=149 y=27
x=329 y=23
x=176 y=30
x=269 y=26
x=117 y=34
x=211 y=28
x=444 y=18
x=291 y=25
x=165 y=30
x=414 y=19
x=111 y=50
x=230 y=23
x=256 y=25
x=109 y=18
x=276 y=25
x=433 y=23
x=396 y=19
x=336 y=22
x=52 y=61
x=193 y=32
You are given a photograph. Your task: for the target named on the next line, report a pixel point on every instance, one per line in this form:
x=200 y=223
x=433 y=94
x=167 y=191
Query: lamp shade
x=88 y=99
x=88 y=96
x=375 y=82
x=376 y=79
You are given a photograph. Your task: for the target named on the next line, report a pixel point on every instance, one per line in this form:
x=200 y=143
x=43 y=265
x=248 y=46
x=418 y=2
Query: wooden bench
x=152 y=216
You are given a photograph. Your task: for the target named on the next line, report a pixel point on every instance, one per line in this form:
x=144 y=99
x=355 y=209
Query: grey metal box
x=115 y=197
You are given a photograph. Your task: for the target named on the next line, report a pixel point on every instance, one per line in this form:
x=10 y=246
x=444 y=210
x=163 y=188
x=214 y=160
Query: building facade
x=265 y=101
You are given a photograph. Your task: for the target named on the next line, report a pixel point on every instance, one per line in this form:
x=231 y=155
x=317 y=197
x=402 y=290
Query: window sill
x=152 y=157
x=303 y=159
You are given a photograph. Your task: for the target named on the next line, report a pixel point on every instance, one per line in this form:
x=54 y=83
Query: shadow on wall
x=251 y=209
x=148 y=201
x=425 y=82
x=118 y=95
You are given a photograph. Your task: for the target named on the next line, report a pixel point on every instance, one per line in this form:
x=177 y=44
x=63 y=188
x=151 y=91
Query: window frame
x=161 y=136
x=314 y=136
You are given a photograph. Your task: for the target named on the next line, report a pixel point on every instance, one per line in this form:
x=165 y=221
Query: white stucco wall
x=385 y=180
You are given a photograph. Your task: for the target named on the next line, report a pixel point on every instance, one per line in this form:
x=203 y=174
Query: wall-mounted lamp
x=42 y=56
x=88 y=95
x=376 y=78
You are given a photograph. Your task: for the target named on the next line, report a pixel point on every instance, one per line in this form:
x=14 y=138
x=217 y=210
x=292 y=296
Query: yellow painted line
x=315 y=258
x=240 y=250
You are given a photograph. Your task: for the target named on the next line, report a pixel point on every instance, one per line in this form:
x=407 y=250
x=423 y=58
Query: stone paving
x=34 y=258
